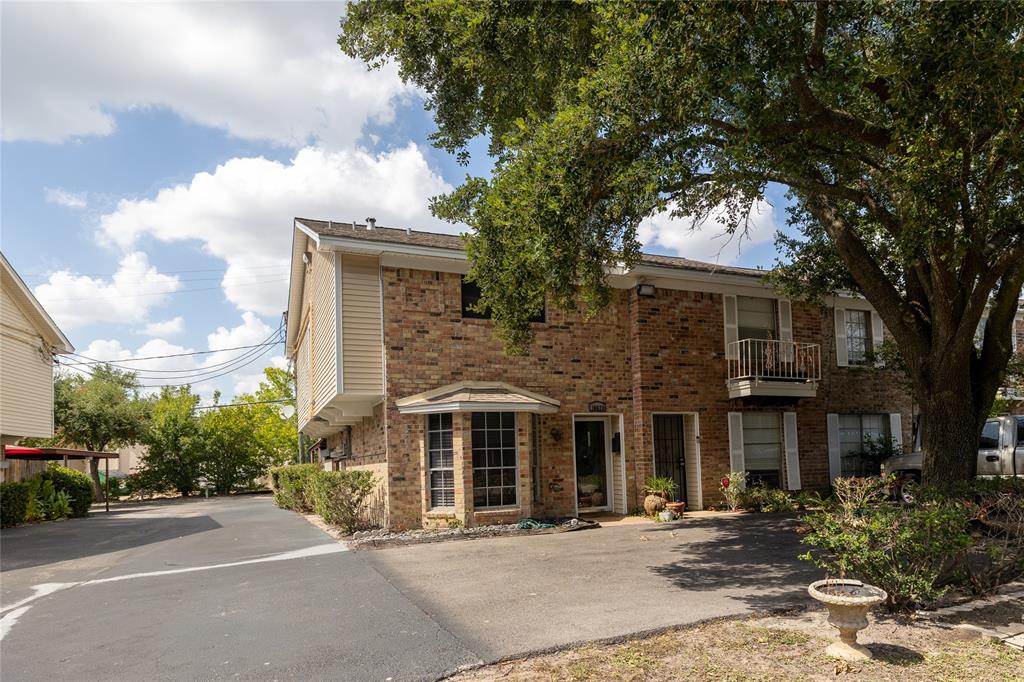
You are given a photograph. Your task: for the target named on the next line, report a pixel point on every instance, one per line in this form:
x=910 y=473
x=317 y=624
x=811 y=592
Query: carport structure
x=64 y=454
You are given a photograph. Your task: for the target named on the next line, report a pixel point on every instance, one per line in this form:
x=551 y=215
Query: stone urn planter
x=848 y=602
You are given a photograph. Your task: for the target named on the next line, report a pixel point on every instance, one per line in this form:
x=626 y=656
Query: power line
x=254 y=402
x=94 y=361
x=111 y=274
x=197 y=372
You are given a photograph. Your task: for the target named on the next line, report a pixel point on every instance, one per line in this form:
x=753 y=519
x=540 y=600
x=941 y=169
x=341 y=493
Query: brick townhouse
x=694 y=370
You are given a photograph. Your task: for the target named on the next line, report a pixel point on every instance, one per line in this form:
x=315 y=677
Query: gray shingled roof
x=440 y=240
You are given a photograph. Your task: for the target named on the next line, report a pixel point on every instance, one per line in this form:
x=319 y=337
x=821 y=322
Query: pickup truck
x=1000 y=453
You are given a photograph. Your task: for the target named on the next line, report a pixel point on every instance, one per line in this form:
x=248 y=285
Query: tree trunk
x=949 y=438
x=94 y=473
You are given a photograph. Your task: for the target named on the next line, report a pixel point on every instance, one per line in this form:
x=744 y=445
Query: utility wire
x=94 y=361
x=157 y=293
x=111 y=274
x=254 y=402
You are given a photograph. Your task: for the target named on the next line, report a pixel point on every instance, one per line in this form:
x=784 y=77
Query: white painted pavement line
x=12 y=612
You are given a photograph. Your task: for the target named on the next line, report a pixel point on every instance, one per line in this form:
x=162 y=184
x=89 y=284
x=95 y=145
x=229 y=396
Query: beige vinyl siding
x=26 y=377
x=324 y=328
x=303 y=398
x=361 y=325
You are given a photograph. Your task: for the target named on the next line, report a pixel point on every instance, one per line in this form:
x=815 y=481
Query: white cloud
x=232 y=372
x=62 y=197
x=709 y=242
x=258 y=70
x=171 y=327
x=243 y=211
x=77 y=300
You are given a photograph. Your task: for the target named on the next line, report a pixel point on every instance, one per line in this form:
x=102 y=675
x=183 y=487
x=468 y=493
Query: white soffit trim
x=478 y=406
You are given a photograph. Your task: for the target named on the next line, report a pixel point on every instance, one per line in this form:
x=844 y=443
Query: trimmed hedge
x=289 y=483
x=339 y=497
x=14 y=497
x=76 y=484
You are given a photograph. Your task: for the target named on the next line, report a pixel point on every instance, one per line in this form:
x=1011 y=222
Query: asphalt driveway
x=507 y=596
x=200 y=590
x=235 y=588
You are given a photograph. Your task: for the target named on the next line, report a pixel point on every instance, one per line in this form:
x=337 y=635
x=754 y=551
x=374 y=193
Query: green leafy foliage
x=339 y=497
x=58 y=507
x=100 y=412
x=732 y=487
x=661 y=485
x=905 y=550
x=895 y=128
x=290 y=484
x=14 y=499
x=759 y=498
x=173 y=460
x=75 y=484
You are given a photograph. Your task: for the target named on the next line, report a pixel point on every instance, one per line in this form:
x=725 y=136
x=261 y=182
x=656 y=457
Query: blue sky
x=154 y=155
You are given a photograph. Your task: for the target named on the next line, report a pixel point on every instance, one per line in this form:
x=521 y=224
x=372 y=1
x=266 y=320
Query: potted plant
x=659 y=490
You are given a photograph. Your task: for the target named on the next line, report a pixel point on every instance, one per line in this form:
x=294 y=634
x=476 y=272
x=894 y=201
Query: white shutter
x=835 y=462
x=786 y=329
x=896 y=428
x=736 y=442
x=876 y=334
x=842 y=354
x=731 y=326
x=792 y=450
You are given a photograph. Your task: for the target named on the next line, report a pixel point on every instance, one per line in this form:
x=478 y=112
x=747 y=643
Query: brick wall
x=640 y=356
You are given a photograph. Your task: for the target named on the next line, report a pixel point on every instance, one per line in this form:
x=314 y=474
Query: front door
x=593 y=480
x=669 y=453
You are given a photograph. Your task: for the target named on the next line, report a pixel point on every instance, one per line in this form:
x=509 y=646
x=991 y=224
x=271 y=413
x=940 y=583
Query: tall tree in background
x=174 y=443
x=896 y=128
x=98 y=412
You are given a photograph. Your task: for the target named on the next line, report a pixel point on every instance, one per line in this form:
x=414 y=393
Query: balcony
x=766 y=367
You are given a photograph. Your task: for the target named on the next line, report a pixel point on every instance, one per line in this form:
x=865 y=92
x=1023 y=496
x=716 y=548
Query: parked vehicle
x=1000 y=453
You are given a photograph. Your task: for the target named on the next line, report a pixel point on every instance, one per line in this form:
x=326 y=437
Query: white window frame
x=868 y=338
x=431 y=469
x=515 y=448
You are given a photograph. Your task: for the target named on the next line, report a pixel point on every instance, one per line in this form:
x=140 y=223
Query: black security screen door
x=669 y=456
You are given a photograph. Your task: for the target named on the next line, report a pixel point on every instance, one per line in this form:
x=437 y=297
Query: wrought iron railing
x=771 y=360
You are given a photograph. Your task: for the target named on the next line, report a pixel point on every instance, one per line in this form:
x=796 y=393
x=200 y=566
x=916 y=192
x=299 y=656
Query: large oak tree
x=895 y=126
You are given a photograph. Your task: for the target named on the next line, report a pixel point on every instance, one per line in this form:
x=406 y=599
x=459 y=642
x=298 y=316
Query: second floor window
x=756 y=318
x=470 y=298
x=858 y=336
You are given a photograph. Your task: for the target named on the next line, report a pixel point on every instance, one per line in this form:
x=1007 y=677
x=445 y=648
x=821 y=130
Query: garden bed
x=383 y=538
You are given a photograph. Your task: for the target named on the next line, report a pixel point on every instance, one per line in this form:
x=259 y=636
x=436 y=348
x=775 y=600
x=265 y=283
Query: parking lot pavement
x=508 y=596
x=226 y=588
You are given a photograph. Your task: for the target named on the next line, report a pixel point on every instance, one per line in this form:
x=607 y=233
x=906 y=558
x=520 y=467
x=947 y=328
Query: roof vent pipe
x=371 y=223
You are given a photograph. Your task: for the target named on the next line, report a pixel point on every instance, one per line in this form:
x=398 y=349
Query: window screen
x=762 y=447
x=858 y=336
x=494 y=459
x=853 y=429
x=440 y=460
x=756 y=318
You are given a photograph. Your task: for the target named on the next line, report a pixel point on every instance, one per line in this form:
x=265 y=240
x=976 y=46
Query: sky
x=154 y=155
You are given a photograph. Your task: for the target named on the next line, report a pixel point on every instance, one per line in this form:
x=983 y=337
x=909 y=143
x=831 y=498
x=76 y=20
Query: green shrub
x=289 y=483
x=339 y=496
x=76 y=484
x=759 y=498
x=732 y=487
x=14 y=498
x=59 y=506
x=661 y=485
x=905 y=550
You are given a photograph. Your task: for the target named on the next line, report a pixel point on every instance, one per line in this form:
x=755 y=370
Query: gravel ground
x=382 y=538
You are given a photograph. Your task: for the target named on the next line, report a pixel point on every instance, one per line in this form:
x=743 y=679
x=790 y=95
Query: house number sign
x=597 y=406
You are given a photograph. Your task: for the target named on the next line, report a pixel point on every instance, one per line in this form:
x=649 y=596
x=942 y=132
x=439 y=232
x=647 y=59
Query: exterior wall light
x=645 y=290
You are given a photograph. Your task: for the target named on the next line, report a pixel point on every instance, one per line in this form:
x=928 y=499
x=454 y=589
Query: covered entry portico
x=477 y=448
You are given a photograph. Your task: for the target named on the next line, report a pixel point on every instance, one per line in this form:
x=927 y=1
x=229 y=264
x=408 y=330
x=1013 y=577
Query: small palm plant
x=660 y=489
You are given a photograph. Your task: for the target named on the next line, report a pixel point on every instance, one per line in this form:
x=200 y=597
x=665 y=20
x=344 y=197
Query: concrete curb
x=1004 y=593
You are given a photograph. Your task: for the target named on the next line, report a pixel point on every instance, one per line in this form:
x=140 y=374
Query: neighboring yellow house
x=29 y=340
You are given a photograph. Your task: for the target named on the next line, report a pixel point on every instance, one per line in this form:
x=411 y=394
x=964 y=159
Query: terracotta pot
x=676 y=508
x=848 y=602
